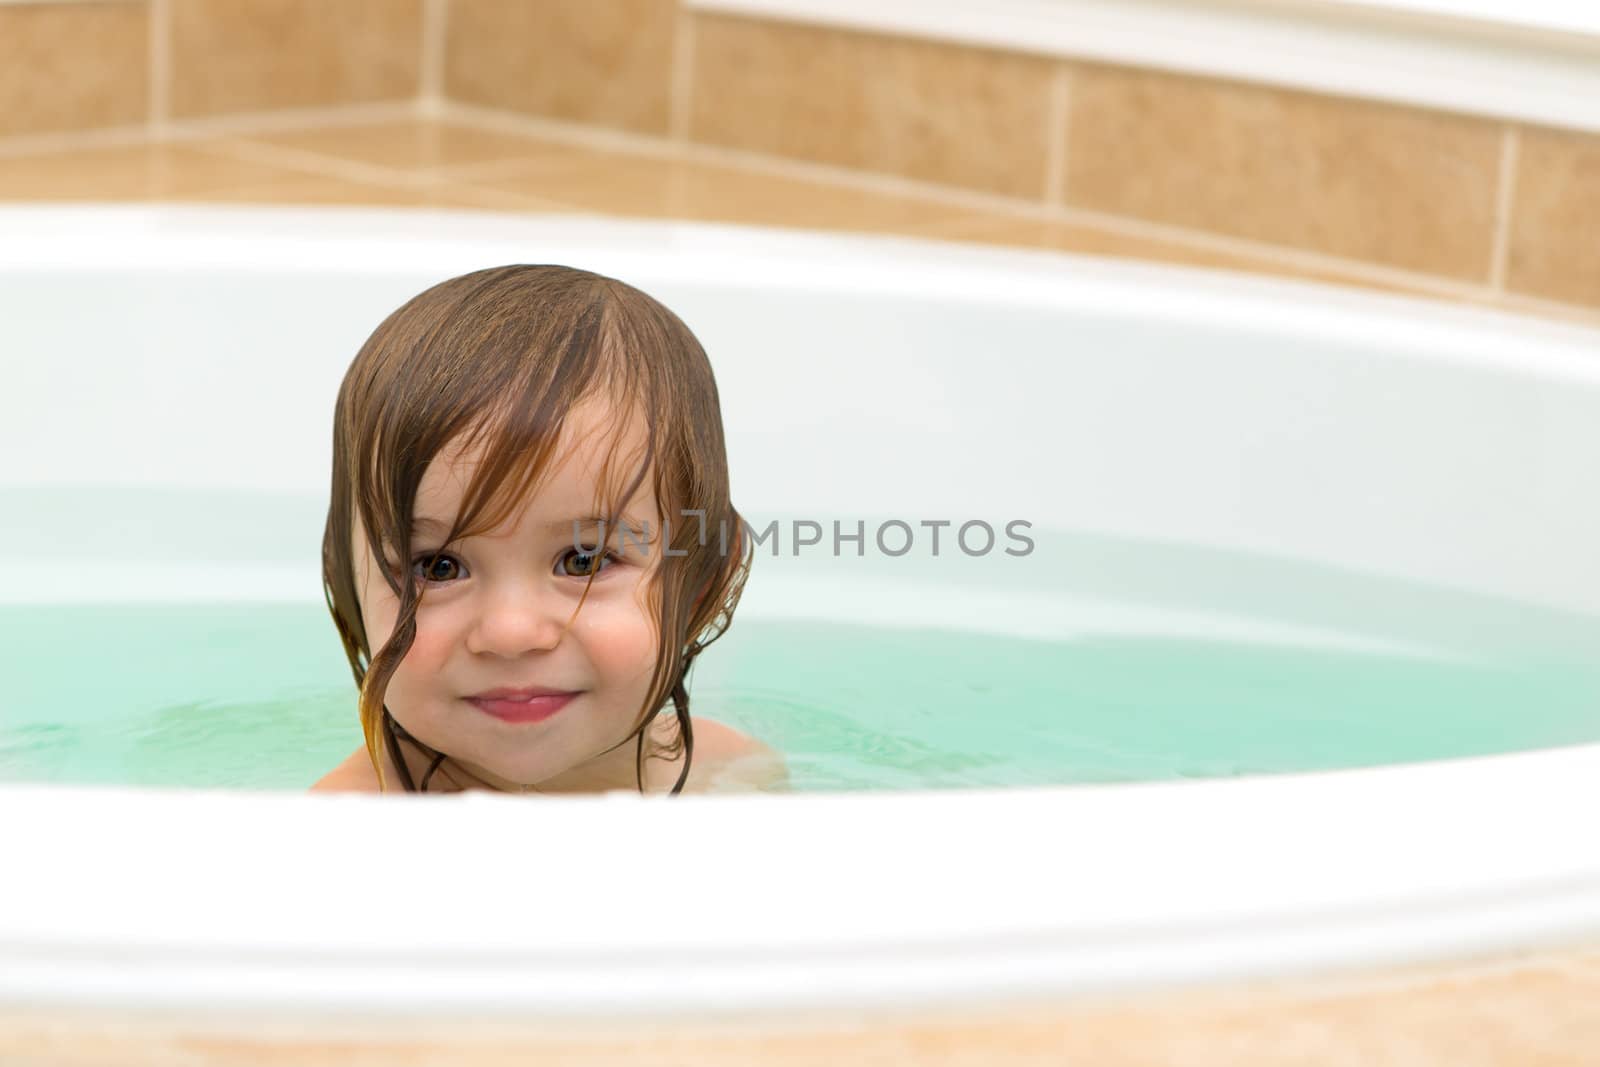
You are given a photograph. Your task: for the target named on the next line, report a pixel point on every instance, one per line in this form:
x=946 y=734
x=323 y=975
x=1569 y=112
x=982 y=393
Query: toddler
x=526 y=462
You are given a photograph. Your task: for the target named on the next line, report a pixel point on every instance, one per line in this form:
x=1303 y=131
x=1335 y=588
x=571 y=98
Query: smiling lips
x=533 y=704
x=519 y=694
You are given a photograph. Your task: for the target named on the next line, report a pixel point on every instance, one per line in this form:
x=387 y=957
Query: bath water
x=1093 y=660
x=258 y=696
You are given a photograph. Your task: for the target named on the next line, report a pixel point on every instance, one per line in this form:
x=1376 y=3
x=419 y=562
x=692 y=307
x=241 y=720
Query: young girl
x=512 y=451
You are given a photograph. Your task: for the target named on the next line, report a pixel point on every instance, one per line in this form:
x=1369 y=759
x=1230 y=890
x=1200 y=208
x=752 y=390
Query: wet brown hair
x=501 y=356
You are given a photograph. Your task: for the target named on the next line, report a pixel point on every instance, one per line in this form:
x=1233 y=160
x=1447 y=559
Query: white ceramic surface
x=202 y=347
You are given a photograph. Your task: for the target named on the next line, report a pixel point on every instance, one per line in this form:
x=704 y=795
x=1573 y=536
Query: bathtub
x=1444 y=444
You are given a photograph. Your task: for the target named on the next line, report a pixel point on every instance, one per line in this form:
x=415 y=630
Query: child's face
x=493 y=613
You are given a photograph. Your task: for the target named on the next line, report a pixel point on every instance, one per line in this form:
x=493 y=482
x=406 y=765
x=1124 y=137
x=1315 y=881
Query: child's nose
x=518 y=618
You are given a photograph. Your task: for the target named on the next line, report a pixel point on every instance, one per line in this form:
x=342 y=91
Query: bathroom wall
x=1416 y=193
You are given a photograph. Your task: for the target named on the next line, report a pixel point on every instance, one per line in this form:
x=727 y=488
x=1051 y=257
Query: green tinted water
x=257 y=694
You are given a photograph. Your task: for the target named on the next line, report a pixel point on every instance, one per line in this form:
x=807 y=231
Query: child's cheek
x=618 y=640
x=430 y=648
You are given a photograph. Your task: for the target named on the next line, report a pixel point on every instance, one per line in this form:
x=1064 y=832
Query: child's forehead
x=590 y=439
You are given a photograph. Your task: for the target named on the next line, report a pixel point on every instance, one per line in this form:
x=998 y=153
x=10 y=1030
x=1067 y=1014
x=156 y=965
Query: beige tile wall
x=1555 y=218
x=1138 y=159
x=73 y=66
x=256 y=55
x=973 y=118
x=1363 y=181
x=607 y=62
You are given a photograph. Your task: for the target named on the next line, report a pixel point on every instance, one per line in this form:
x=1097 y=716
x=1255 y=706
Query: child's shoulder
x=735 y=761
x=725 y=760
x=354 y=775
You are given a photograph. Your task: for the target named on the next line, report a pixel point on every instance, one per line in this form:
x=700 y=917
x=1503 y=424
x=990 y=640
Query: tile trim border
x=1288 y=258
x=1472 y=68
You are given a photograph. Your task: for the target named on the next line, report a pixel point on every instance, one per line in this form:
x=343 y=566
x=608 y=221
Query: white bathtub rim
x=378 y=241
x=1497 y=859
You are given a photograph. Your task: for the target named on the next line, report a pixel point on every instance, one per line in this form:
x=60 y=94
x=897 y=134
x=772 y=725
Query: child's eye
x=430 y=562
x=577 y=563
x=439 y=568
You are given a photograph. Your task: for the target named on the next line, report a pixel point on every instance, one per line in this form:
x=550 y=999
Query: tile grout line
x=682 y=75
x=317 y=165
x=1057 y=135
x=489 y=169
x=159 y=59
x=430 y=90
x=246 y=124
x=490 y=199
x=77 y=140
x=562 y=131
x=524 y=201
x=1505 y=198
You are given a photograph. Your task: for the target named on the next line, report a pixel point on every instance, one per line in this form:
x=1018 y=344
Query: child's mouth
x=531 y=709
